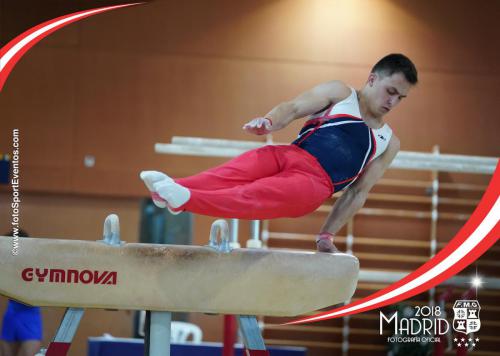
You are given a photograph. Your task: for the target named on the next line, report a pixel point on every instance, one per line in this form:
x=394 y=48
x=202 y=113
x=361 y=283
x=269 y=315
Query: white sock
x=173 y=212
x=175 y=194
x=152 y=177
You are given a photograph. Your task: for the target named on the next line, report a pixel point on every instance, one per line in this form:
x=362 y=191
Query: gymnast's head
x=390 y=80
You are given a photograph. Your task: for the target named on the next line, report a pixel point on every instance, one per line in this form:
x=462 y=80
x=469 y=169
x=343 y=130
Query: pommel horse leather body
x=88 y=274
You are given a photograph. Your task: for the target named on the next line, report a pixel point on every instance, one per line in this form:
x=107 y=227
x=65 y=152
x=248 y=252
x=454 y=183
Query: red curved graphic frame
x=12 y=52
x=480 y=232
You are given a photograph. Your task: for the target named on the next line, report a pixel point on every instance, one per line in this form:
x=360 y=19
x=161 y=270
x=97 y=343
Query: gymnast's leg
x=244 y=169
x=287 y=194
x=294 y=184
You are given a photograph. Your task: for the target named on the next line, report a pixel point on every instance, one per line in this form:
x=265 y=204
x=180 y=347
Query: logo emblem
x=466 y=318
x=381 y=137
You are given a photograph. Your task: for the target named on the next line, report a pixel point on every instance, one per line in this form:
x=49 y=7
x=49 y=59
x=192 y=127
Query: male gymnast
x=344 y=145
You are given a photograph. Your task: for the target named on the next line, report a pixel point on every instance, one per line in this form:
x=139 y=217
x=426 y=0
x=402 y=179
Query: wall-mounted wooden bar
x=489 y=263
x=403 y=198
x=416 y=214
x=427 y=184
x=390 y=257
x=358 y=240
x=491 y=249
x=407 y=198
x=482 y=292
x=463 y=186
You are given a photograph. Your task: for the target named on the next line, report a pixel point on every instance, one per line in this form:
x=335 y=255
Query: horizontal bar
x=446 y=158
x=201 y=141
x=214 y=142
x=434 y=165
x=185 y=150
x=199 y=146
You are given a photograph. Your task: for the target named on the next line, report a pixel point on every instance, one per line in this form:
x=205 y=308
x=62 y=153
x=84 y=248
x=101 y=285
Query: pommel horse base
x=162 y=279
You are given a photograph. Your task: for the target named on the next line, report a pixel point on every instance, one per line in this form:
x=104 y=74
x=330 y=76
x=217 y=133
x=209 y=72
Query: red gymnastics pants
x=265 y=183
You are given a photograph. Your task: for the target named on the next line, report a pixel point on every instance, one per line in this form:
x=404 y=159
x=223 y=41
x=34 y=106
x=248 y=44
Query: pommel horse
x=111 y=274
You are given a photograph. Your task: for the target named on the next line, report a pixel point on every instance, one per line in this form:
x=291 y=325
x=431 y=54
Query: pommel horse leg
x=61 y=343
x=252 y=337
x=157 y=333
x=59 y=346
x=254 y=343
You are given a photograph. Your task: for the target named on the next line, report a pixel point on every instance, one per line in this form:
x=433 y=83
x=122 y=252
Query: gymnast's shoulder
x=335 y=90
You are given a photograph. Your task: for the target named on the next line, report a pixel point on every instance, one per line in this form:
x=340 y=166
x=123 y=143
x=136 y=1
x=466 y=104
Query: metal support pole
x=230 y=325
x=159 y=333
x=434 y=220
x=65 y=333
x=234 y=233
x=230 y=331
x=67 y=329
x=345 y=334
x=252 y=337
x=254 y=241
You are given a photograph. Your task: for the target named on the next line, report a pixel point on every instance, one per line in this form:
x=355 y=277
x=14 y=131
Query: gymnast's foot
x=151 y=178
x=173 y=193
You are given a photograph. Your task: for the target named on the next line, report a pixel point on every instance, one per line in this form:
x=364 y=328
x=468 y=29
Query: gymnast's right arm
x=305 y=104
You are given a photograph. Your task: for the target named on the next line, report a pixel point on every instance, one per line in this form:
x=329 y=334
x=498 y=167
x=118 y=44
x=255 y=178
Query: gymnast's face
x=385 y=92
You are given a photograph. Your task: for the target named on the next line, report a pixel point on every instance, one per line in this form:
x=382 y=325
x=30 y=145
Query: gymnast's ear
x=371 y=79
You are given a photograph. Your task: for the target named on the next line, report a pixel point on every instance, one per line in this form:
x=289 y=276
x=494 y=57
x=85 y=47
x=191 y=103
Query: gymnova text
x=16 y=198
x=55 y=275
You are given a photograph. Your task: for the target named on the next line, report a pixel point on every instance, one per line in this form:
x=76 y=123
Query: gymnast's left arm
x=355 y=197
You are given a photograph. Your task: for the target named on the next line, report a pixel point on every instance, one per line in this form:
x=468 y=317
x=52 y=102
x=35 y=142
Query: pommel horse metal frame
x=71 y=320
x=219 y=278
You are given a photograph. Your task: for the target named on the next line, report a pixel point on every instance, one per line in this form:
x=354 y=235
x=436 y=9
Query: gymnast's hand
x=259 y=126
x=324 y=242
